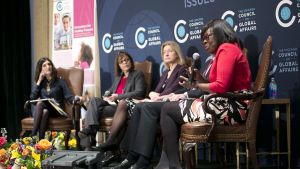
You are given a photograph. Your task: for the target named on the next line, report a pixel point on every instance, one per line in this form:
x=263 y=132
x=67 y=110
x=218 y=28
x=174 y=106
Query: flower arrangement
x=29 y=152
x=59 y=140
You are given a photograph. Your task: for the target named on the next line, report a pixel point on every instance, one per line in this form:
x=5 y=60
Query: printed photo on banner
x=62 y=32
x=62 y=25
x=74 y=38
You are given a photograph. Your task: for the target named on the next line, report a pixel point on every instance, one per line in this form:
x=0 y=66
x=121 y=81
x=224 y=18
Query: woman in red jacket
x=229 y=72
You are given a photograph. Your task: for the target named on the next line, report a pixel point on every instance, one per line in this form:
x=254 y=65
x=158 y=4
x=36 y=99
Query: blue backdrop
x=141 y=26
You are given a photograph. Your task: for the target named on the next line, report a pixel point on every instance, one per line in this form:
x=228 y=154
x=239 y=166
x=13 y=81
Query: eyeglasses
x=168 y=51
x=124 y=61
x=206 y=37
x=122 y=57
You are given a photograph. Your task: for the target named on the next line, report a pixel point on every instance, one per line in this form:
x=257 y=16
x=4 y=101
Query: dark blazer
x=171 y=84
x=135 y=86
x=59 y=91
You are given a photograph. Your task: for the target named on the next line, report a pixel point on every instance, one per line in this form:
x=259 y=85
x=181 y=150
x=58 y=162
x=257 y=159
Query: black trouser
x=170 y=122
x=141 y=132
x=97 y=108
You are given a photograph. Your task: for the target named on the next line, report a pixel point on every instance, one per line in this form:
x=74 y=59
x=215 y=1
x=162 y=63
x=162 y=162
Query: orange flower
x=54 y=134
x=44 y=144
x=25 y=152
x=14 y=146
x=2 y=153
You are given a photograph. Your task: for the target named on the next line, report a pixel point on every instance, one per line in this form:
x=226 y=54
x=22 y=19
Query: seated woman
x=128 y=83
x=229 y=72
x=48 y=85
x=140 y=135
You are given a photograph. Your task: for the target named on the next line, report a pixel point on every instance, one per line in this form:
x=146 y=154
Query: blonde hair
x=181 y=59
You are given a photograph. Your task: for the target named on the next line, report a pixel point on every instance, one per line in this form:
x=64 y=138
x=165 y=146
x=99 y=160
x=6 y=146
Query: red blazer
x=230 y=70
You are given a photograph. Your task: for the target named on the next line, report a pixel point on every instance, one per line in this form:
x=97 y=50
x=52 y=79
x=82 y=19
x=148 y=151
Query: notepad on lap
x=54 y=104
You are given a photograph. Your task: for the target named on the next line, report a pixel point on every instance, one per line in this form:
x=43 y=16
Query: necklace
x=48 y=87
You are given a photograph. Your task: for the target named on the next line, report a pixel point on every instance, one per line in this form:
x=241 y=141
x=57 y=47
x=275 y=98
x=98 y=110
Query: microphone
x=165 y=99
x=106 y=93
x=196 y=56
x=77 y=98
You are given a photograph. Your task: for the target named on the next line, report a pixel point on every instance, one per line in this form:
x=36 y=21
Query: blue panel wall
x=141 y=26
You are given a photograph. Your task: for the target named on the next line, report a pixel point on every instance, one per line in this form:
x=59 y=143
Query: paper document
x=110 y=102
x=54 y=104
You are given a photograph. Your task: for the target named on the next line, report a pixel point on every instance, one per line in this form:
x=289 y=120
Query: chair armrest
x=27 y=108
x=229 y=95
x=76 y=106
x=238 y=96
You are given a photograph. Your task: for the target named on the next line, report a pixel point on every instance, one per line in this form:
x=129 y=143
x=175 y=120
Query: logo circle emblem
x=140 y=38
x=180 y=31
x=106 y=43
x=59 y=6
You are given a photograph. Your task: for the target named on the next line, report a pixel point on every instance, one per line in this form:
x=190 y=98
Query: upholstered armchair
x=74 y=79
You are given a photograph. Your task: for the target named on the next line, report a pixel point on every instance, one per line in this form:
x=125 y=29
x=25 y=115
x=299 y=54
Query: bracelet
x=186 y=95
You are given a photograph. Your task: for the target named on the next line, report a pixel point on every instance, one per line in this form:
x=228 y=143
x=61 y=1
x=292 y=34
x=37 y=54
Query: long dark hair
x=119 y=56
x=222 y=32
x=86 y=53
x=39 y=66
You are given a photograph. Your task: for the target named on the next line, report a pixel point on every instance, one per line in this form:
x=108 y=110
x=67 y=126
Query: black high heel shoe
x=110 y=157
x=125 y=164
x=135 y=166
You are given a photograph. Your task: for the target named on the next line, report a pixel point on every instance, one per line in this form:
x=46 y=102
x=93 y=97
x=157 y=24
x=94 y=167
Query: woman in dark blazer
x=140 y=135
x=128 y=83
x=48 y=85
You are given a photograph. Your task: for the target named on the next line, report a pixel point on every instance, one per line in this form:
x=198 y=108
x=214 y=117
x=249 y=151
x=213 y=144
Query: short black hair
x=222 y=32
x=66 y=16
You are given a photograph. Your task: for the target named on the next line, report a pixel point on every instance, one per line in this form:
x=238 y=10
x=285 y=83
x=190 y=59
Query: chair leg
x=252 y=152
x=77 y=140
x=67 y=137
x=104 y=136
x=189 y=155
x=237 y=151
x=180 y=150
x=76 y=124
x=247 y=156
x=219 y=155
x=22 y=133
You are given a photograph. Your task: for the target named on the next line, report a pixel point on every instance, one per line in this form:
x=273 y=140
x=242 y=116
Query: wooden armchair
x=146 y=68
x=211 y=132
x=74 y=79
